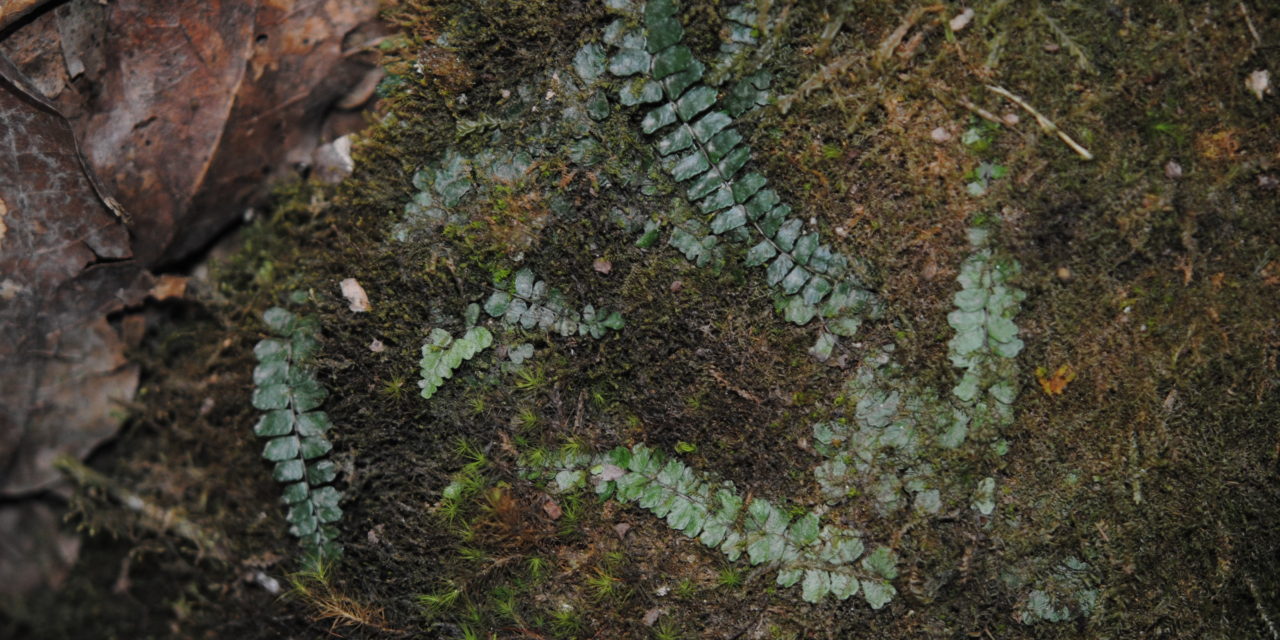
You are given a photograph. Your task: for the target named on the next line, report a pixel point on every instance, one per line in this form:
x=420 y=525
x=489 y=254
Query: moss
x=1154 y=465
x=507 y=41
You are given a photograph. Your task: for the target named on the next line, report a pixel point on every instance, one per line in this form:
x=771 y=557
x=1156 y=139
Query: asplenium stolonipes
x=882 y=447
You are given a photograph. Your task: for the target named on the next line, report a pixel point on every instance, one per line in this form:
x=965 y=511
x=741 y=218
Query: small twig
x=527 y=633
x=1046 y=124
x=1253 y=31
x=946 y=96
x=982 y=113
x=370 y=45
x=747 y=628
x=154 y=517
x=577 y=415
x=830 y=30
x=885 y=50
x=724 y=382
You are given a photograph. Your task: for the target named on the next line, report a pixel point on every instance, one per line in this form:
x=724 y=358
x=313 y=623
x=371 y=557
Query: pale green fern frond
x=823 y=559
x=528 y=302
x=442 y=354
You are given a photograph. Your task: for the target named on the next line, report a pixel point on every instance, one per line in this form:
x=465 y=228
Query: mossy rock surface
x=1115 y=474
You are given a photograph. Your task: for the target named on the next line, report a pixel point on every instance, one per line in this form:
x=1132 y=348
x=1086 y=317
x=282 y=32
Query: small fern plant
x=896 y=425
x=986 y=340
x=442 y=354
x=701 y=148
x=823 y=559
x=524 y=302
x=528 y=302
x=1067 y=593
x=287 y=391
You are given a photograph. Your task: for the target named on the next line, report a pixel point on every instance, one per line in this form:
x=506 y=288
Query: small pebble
x=354 y=293
x=940 y=135
x=930 y=270
x=1011 y=119
x=265 y=581
x=1052 y=47
x=961 y=21
x=1172 y=170
x=651 y=616
x=1259 y=83
x=1064 y=274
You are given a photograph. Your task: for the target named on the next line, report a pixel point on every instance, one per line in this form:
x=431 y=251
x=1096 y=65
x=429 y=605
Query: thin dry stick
x=154 y=517
x=830 y=30
x=982 y=113
x=1244 y=11
x=885 y=50
x=1046 y=124
x=946 y=96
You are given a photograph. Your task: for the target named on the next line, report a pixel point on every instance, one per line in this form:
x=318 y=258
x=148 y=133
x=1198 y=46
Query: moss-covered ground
x=1152 y=273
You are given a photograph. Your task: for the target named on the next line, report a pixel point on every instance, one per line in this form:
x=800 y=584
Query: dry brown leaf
x=187 y=92
x=1057 y=383
x=65 y=262
x=169 y=286
x=552 y=509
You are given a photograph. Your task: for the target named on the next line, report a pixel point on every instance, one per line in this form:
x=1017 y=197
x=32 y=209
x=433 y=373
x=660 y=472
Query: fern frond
x=286 y=389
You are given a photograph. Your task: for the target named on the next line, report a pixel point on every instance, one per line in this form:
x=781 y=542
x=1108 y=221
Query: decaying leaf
x=237 y=90
x=1057 y=383
x=64 y=256
x=552 y=509
x=37 y=552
